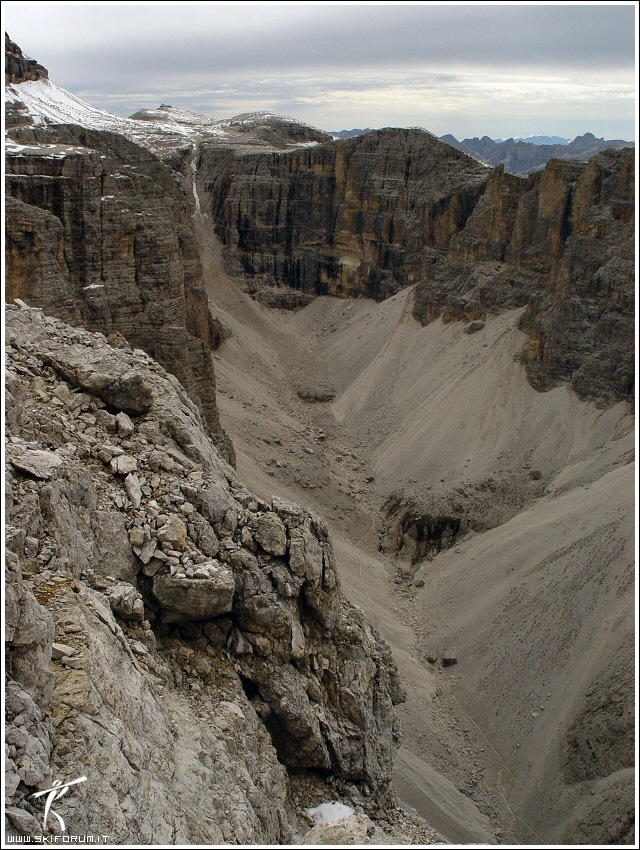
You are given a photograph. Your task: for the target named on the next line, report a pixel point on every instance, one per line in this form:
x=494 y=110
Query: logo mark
x=58 y=790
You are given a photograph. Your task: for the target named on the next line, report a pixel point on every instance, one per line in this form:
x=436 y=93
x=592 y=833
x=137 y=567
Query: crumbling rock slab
x=37 y=462
x=184 y=599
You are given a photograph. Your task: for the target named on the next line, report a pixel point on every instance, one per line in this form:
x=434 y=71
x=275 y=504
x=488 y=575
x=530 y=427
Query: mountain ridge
x=520 y=156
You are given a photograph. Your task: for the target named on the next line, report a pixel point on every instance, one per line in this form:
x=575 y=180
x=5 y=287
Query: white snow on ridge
x=45 y=103
x=49 y=151
x=182 y=121
x=162 y=129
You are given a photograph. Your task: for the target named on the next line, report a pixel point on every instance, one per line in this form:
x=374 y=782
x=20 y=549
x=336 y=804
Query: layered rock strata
x=19 y=68
x=560 y=243
x=99 y=234
x=170 y=635
x=374 y=214
x=359 y=217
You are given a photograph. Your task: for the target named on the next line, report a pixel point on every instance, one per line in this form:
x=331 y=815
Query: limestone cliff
x=561 y=244
x=374 y=214
x=17 y=67
x=358 y=217
x=172 y=637
x=99 y=234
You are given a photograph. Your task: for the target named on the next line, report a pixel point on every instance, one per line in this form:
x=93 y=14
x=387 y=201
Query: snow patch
x=328 y=812
x=196 y=198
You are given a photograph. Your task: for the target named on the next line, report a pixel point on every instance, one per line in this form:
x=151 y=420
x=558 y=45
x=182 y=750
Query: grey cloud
x=203 y=41
x=313 y=60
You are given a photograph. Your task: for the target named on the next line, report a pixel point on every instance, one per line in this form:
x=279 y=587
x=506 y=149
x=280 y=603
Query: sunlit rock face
x=560 y=243
x=379 y=212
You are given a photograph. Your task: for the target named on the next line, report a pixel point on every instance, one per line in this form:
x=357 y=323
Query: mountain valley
x=434 y=360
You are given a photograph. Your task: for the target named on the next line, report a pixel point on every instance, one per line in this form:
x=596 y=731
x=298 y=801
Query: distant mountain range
x=524 y=157
x=348 y=134
x=520 y=155
x=539 y=140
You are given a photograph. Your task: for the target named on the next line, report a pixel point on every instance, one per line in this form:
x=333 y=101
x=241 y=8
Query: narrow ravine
x=257 y=371
x=434 y=410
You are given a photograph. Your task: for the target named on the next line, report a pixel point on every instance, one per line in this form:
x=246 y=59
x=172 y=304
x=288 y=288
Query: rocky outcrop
x=276 y=130
x=417 y=528
x=521 y=157
x=19 y=68
x=99 y=234
x=357 y=217
x=560 y=243
x=600 y=741
x=171 y=636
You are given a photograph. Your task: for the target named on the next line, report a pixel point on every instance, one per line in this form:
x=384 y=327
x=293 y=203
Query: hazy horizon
x=472 y=70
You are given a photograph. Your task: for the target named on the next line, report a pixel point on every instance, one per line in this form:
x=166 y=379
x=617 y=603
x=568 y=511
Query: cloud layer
x=501 y=70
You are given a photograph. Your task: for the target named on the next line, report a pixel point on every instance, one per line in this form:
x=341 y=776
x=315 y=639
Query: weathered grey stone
x=136 y=536
x=74 y=663
x=126 y=602
x=148 y=550
x=203 y=535
x=60 y=650
x=265 y=614
x=107 y=420
x=29 y=632
x=173 y=532
x=125 y=425
x=112 y=554
x=11 y=778
x=123 y=465
x=214 y=501
x=305 y=553
x=23 y=821
x=195 y=599
x=14 y=538
x=271 y=534
x=40 y=463
x=134 y=491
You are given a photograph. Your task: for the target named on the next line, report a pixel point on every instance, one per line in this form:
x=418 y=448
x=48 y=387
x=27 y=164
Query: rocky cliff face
x=373 y=214
x=17 y=67
x=359 y=217
x=171 y=636
x=560 y=243
x=99 y=234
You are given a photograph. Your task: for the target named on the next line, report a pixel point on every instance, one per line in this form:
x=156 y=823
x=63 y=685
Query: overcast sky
x=467 y=69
